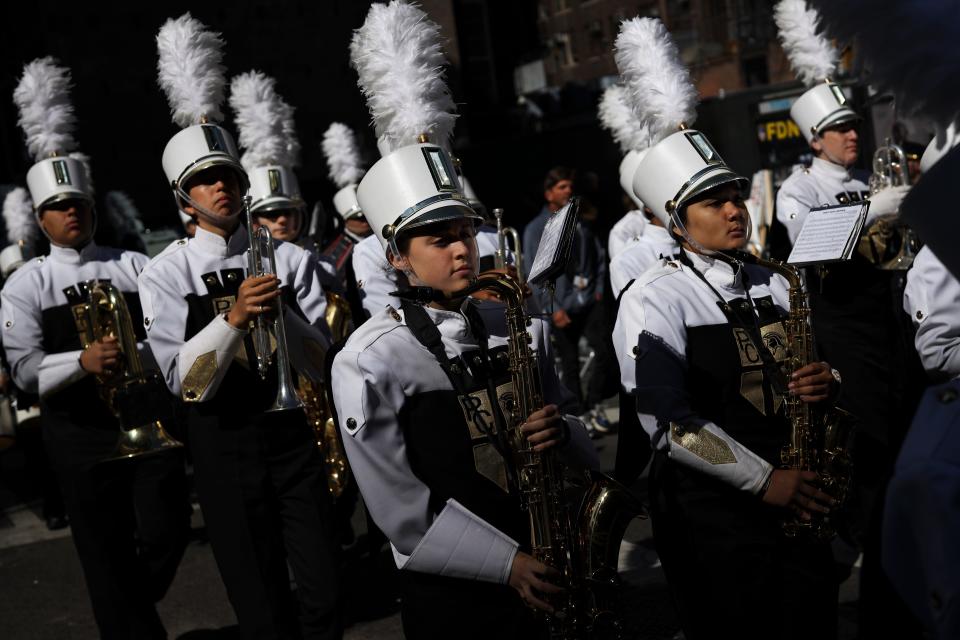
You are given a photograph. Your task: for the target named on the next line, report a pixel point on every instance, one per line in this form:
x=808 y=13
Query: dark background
x=124 y=123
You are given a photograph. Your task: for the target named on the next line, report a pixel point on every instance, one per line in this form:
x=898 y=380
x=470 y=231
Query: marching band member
x=430 y=478
x=856 y=307
x=271 y=152
x=638 y=240
x=129 y=520
x=258 y=475
x=343 y=160
x=932 y=294
x=640 y=225
x=694 y=336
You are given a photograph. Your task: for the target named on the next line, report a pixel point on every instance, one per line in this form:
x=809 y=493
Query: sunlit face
x=559 y=194
x=442 y=256
x=839 y=144
x=717 y=220
x=68 y=223
x=283 y=224
x=217 y=191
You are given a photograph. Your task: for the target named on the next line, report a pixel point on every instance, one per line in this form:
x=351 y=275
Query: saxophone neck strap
x=427 y=334
x=751 y=324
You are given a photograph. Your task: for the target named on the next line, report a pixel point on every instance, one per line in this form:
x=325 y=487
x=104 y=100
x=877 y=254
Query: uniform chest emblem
x=478 y=414
x=754 y=385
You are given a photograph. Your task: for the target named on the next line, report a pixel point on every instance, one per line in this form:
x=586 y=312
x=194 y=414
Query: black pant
x=130 y=522
x=731 y=570
x=594 y=325
x=264 y=497
x=439 y=607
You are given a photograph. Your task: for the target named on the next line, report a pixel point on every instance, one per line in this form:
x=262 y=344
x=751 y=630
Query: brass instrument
x=582 y=545
x=136 y=396
x=261 y=247
x=888 y=243
x=500 y=255
x=317 y=405
x=819 y=436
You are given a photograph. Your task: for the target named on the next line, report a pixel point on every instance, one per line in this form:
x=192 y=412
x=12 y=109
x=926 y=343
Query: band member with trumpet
x=130 y=518
x=213 y=328
x=701 y=343
x=430 y=477
x=856 y=306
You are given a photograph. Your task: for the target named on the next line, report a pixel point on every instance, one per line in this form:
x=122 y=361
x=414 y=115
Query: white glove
x=886 y=203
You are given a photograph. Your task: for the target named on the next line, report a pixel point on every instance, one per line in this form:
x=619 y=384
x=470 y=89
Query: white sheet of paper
x=549 y=243
x=829 y=234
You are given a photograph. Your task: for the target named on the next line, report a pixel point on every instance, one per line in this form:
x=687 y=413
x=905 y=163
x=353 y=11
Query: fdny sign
x=778 y=130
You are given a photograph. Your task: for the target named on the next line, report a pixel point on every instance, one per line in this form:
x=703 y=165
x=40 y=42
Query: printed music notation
x=829 y=234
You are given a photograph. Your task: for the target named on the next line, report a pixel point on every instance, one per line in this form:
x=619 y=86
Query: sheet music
x=549 y=242
x=829 y=234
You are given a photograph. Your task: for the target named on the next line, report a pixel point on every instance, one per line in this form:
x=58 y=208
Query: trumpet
x=138 y=398
x=262 y=248
x=500 y=255
x=888 y=243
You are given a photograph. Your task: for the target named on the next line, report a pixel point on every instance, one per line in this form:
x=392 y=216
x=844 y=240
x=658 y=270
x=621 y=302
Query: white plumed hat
x=47 y=118
x=191 y=75
x=268 y=138
x=681 y=163
x=343 y=160
x=814 y=60
x=398 y=56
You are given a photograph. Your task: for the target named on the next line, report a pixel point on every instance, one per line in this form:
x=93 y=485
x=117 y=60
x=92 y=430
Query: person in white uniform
x=129 y=519
x=412 y=386
x=700 y=344
x=259 y=476
x=856 y=307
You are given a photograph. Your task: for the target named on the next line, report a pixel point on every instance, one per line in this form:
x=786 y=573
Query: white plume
x=18 y=217
x=657 y=83
x=618 y=118
x=46 y=114
x=343 y=155
x=190 y=70
x=123 y=213
x=267 y=130
x=922 y=74
x=398 y=55
x=812 y=57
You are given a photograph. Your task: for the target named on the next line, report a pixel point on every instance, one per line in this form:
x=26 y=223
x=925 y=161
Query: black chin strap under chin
x=201 y=210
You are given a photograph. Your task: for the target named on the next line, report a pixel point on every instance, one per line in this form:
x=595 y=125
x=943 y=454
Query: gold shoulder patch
x=703 y=444
x=199 y=377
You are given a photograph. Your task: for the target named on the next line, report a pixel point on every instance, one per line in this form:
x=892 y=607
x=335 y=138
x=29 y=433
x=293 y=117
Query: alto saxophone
x=819 y=436
x=582 y=544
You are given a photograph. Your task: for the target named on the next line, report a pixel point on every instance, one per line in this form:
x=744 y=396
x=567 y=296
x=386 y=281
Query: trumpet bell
x=145 y=440
x=286 y=400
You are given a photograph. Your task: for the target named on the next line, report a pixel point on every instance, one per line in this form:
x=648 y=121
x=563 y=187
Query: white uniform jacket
x=377 y=279
x=206 y=270
x=42 y=316
x=932 y=300
x=822 y=184
x=625 y=231
x=657 y=318
x=381 y=378
x=646 y=250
